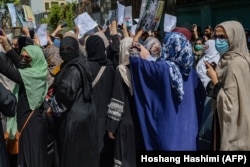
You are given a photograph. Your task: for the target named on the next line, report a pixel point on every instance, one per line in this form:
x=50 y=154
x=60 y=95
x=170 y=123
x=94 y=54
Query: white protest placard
x=133 y=30
x=41 y=32
x=169 y=22
x=13 y=16
x=128 y=16
x=136 y=20
x=85 y=23
x=120 y=13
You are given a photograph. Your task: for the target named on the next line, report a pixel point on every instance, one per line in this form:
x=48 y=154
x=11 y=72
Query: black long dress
x=76 y=128
x=123 y=122
x=8 y=108
x=102 y=92
x=33 y=141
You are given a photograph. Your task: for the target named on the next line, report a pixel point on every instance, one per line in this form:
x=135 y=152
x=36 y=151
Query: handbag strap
x=27 y=120
x=98 y=76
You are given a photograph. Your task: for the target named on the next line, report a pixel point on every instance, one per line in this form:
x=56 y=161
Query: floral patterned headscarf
x=177 y=53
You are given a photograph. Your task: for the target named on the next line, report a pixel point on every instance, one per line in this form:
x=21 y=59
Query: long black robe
x=76 y=127
x=102 y=92
x=123 y=122
x=8 y=108
x=33 y=141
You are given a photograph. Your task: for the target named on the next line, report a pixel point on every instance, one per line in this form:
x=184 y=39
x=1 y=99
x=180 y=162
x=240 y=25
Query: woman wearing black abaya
x=8 y=108
x=102 y=92
x=122 y=123
x=74 y=110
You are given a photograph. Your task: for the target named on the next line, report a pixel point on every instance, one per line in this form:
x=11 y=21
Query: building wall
x=213 y=13
x=36 y=5
x=47 y=4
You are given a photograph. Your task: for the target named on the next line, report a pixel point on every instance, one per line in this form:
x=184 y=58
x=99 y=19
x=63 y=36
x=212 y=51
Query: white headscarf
x=211 y=55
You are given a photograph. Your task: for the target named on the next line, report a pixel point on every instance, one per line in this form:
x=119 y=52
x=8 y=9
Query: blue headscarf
x=177 y=53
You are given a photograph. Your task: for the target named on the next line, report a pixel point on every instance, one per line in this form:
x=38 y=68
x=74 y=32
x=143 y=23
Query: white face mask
x=151 y=58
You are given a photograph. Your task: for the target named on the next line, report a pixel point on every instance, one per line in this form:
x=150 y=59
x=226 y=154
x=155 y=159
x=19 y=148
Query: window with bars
x=47 y=6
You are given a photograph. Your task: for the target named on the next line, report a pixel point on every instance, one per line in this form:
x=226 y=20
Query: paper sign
x=2 y=12
x=13 y=15
x=112 y=15
x=41 y=32
x=85 y=23
x=120 y=13
x=157 y=17
x=169 y=22
x=29 y=17
x=143 y=5
x=147 y=18
x=128 y=20
x=105 y=26
x=136 y=20
x=133 y=29
x=21 y=19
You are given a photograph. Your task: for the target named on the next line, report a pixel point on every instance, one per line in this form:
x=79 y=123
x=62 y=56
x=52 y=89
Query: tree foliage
x=4 y=2
x=60 y=14
x=54 y=16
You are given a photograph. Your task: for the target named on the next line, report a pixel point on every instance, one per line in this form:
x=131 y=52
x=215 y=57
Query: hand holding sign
x=85 y=23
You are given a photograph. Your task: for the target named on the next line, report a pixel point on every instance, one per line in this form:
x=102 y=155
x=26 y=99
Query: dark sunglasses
x=220 y=36
x=26 y=57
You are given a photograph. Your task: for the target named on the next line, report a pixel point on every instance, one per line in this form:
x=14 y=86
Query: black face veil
x=69 y=49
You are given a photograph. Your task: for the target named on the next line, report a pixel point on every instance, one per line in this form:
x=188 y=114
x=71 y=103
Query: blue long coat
x=166 y=123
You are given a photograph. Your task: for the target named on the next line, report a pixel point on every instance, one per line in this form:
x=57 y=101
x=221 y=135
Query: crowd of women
x=99 y=100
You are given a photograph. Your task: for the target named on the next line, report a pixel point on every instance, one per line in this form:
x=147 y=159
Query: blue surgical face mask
x=221 y=45
x=57 y=42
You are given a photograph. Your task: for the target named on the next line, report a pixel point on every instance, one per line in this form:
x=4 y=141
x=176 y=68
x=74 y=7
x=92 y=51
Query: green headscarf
x=35 y=77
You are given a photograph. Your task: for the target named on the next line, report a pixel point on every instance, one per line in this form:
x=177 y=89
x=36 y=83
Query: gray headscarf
x=153 y=45
x=237 y=44
x=124 y=61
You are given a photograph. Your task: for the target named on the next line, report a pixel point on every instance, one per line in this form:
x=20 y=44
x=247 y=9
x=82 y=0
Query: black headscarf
x=22 y=42
x=96 y=50
x=71 y=57
x=69 y=49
